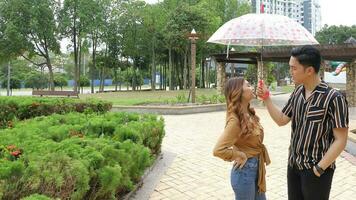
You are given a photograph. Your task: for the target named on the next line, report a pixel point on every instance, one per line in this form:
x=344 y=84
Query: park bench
x=55 y=93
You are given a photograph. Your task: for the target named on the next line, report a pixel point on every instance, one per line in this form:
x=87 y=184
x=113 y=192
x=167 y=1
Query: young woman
x=241 y=142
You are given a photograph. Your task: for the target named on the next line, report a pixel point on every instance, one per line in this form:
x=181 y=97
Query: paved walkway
x=196 y=174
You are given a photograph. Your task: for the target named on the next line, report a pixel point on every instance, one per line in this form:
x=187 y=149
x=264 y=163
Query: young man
x=319 y=116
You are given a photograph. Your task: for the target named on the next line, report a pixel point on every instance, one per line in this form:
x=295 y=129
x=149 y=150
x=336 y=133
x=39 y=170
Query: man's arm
x=278 y=116
x=340 y=139
x=338 y=111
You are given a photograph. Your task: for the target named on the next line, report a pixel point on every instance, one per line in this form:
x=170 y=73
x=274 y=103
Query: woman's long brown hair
x=233 y=96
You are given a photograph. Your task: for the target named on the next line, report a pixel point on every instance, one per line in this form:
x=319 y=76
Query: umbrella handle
x=228 y=49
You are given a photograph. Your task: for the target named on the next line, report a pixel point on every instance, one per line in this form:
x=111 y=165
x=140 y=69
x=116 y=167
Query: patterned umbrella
x=262 y=30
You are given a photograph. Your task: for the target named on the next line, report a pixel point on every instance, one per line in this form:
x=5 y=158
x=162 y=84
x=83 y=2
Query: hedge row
x=20 y=108
x=77 y=156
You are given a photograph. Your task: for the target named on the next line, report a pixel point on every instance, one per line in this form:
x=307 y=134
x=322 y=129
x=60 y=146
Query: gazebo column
x=221 y=77
x=262 y=71
x=322 y=70
x=351 y=84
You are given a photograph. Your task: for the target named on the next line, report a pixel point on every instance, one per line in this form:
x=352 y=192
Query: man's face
x=298 y=71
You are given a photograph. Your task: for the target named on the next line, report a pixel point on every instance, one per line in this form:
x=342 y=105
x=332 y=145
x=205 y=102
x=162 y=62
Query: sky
x=333 y=12
x=338 y=12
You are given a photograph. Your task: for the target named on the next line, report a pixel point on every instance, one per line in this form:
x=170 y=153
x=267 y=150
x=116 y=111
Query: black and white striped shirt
x=313 y=121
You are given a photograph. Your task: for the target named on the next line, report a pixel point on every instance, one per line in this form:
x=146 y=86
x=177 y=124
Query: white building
x=306 y=12
x=312 y=16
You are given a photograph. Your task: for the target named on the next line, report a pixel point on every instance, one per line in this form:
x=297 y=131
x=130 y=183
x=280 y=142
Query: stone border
x=151 y=177
x=140 y=183
x=170 y=110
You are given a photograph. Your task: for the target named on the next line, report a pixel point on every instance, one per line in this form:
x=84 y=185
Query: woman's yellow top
x=232 y=141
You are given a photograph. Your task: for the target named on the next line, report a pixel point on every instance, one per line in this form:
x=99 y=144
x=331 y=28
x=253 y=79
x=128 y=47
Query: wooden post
x=221 y=77
x=193 y=51
x=193 y=37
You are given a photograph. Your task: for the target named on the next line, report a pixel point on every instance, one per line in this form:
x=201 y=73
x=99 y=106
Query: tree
x=60 y=81
x=182 y=20
x=118 y=78
x=251 y=74
x=36 y=80
x=96 y=27
x=154 y=20
x=33 y=23
x=133 y=34
x=15 y=83
x=75 y=17
x=335 y=34
x=84 y=82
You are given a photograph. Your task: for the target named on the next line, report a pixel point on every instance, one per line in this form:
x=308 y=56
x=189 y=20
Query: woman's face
x=247 y=92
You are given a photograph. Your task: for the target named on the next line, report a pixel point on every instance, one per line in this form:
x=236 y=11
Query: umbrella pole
x=260 y=66
x=228 y=49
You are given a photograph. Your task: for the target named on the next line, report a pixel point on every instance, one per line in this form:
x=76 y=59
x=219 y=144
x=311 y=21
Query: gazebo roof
x=350 y=40
x=342 y=52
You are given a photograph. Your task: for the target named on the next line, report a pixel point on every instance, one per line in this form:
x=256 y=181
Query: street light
x=193 y=36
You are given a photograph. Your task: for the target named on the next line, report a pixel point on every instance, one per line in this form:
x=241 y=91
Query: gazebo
x=344 y=52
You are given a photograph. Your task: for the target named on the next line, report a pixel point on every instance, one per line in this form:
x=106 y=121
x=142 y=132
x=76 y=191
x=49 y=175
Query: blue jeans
x=244 y=181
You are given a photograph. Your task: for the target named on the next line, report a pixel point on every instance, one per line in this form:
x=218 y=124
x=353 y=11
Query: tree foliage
x=335 y=34
x=119 y=34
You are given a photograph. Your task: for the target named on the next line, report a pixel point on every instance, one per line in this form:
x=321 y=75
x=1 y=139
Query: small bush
x=36 y=197
x=20 y=108
x=77 y=156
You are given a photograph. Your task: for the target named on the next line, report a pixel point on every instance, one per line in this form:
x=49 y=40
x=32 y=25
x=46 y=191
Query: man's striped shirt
x=313 y=121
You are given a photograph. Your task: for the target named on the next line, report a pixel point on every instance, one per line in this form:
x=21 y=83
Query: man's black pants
x=305 y=185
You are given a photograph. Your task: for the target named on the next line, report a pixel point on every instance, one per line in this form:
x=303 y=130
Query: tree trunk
x=49 y=66
x=8 y=78
x=51 y=76
x=116 y=81
x=127 y=73
x=75 y=85
x=94 y=41
x=208 y=72
x=202 y=78
x=165 y=76
x=170 y=69
x=185 y=68
x=134 y=83
x=79 y=62
x=153 y=79
x=160 y=76
x=101 y=87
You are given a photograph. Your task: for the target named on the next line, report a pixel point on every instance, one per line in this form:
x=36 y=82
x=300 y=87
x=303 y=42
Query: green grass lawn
x=144 y=97
x=288 y=88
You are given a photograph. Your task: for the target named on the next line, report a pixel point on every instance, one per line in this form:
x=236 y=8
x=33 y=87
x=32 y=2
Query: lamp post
x=193 y=36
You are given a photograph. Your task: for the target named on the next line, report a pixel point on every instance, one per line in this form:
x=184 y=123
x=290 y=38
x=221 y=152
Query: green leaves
x=335 y=34
x=88 y=167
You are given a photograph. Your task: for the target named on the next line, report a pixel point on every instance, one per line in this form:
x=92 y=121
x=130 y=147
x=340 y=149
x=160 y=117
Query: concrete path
x=195 y=174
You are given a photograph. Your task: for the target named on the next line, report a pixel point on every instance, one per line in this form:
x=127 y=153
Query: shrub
x=36 y=197
x=20 y=108
x=77 y=156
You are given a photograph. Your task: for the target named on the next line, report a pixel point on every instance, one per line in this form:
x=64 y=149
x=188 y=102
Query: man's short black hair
x=307 y=56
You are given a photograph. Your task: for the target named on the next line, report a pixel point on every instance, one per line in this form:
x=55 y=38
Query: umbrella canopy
x=262 y=30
